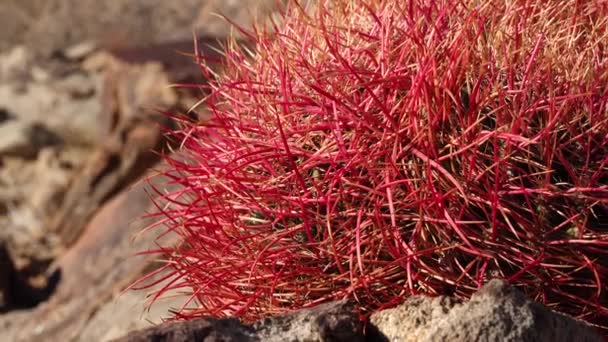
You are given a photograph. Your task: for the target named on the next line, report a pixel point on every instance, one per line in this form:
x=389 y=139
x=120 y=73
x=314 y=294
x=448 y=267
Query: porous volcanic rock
x=336 y=321
x=497 y=312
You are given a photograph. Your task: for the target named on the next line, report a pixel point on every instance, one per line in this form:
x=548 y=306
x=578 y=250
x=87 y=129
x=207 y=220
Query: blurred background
x=81 y=86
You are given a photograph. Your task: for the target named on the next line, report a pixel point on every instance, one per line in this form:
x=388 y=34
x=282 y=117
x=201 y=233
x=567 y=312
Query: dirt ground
x=50 y=26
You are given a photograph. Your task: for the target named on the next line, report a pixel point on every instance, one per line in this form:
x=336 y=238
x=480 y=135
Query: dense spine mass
x=378 y=149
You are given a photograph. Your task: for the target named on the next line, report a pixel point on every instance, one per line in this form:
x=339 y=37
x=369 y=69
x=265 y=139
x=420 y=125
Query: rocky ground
x=497 y=312
x=81 y=82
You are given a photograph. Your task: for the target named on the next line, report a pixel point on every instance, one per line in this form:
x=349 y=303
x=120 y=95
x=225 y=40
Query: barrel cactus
x=374 y=150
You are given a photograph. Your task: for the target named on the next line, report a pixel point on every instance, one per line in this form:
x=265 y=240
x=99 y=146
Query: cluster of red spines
x=376 y=150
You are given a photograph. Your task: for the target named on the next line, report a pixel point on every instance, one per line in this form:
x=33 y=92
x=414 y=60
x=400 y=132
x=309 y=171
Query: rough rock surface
x=497 y=312
x=335 y=321
x=92 y=272
x=81 y=83
x=205 y=329
x=38 y=104
x=126 y=312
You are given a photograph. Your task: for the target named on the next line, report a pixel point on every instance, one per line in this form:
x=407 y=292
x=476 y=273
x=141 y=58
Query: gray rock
x=335 y=321
x=15 y=139
x=497 y=312
x=80 y=50
x=125 y=313
x=64 y=106
x=14 y=64
x=206 y=329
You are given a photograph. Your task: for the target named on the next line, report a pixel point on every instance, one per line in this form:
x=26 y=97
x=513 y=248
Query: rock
x=206 y=329
x=24 y=139
x=30 y=191
x=130 y=135
x=55 y=167
x=336 y=321
x=130 y=311
x=92 y=272
x=132 y=92
x=80 y=50
x=76 y=85
x=15 y=139
x=53 y=105
x=14 y=63
x=497 y=312
x=65 y=107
